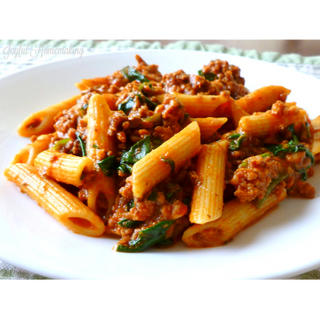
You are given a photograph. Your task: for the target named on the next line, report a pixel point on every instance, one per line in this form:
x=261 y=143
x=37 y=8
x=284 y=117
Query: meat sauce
x=251 y=167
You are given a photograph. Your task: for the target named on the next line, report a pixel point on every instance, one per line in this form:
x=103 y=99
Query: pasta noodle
x=263 y=98
x=62 y=167
x=207 y=199
x=177 y=150
x=154 y=158
x=235 y=217
x=42 y=122
x=53 y=198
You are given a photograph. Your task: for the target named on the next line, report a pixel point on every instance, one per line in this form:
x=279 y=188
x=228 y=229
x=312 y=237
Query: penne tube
x=209 y=126
x=101 y=194
x=30 y=152
x=262 y=99
x=62 y=167
x=99 y=143
x=42 y=122
x=316 y=123
x=237 y=113
x=54 y=199
x=315 y=148
x=265 y=124
x=200 y=106
x=86 y=84
x=207 y=198
x=111 y=100
x=235 y=217
x=167 y=158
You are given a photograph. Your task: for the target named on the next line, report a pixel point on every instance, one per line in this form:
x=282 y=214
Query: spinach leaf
x=127 y=105
x=130 y=205
x=210 y=76
x=82 y=144
x=108 y=165
x=170 y=162
x=151 y=105
x=147 y=237
x=134 y=154
x=272 y=185
x=59 y=144
x=153 y=195
x=235 y=141
x=132 y=74
x=126 y=223
x=292 y=146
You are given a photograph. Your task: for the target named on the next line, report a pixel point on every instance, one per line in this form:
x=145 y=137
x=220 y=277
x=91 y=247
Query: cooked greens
x=132 y=74
x=148 y=237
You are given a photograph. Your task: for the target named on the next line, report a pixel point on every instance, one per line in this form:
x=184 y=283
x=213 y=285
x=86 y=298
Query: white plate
x=283 y=244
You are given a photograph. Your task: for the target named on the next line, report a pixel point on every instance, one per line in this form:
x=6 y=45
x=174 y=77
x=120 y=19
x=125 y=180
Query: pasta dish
x=151 y=159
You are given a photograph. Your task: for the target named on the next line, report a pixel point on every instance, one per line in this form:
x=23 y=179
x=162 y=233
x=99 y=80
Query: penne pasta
x=30 y=152
x=237 y=113
x=200 y=106
x=235 y=217
x=263 y=125
x=86 y=84
x=99 y=143
x=207 y=199
x=54 y=199
x=63 y=167
x=262 y=99
x=209 y=126
x=315 y=147
x=316 y=123
x=42 y=122
x=160 y=161
x=101 y=193
x=111 y=100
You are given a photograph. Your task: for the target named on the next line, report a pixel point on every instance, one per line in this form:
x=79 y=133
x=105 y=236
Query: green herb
x=308 y=130
x=82 y=144
x=243 y=164
x=235 y=141
x=153 y=195
x=59 y=144
x=151 y=105
x=127 y=105
x=84 y=107
x=186 y=201
x=136 y=152
x=210 y=76
x=172 y=190
x=108 y=165
x=147 y=237
x=95 y=146
x=125 y=223
x=272 y=185
x=170 y=162
x=125 y=168
x=266 y=154
x=292 y=146
x=132 y=74
x=156 y=117
x=130 y=204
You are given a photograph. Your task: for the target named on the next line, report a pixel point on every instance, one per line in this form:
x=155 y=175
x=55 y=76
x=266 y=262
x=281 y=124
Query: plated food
x=150 y=157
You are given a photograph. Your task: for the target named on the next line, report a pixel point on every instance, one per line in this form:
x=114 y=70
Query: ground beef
x=227 y=78
x=149 y=71
x=217 y=76
x=181 y=82
x=252 y=181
